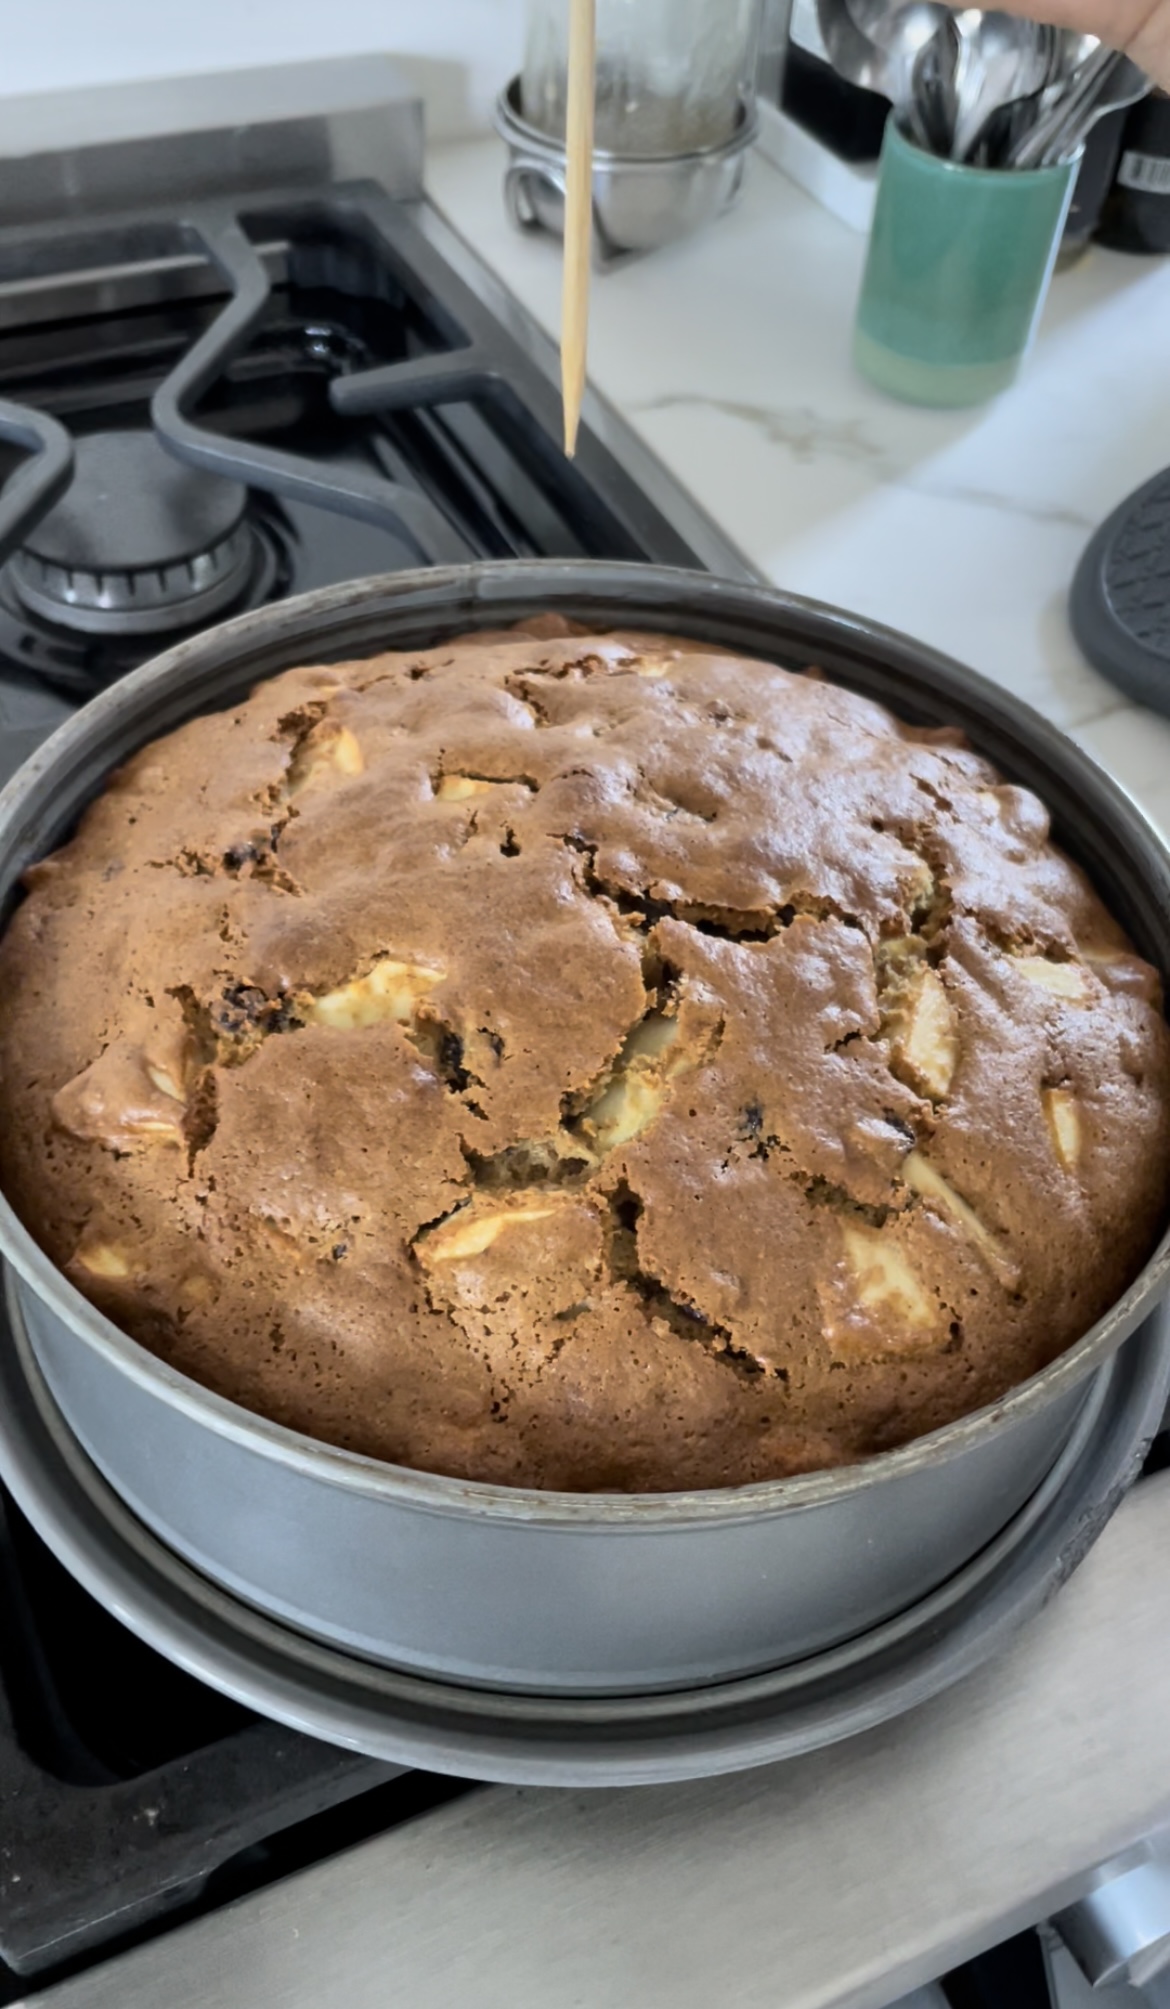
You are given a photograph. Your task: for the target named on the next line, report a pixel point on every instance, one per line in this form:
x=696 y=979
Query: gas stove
x=235 y=401
x=239 y=360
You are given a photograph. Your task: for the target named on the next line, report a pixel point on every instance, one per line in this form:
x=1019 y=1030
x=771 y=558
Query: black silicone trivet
x=1120 y=601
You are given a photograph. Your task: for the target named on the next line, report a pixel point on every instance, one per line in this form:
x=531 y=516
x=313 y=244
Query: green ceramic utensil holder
x=958 y=268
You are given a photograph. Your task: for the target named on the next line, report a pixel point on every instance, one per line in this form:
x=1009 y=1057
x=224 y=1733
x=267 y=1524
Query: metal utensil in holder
x=979 y=87
x=1106 y=81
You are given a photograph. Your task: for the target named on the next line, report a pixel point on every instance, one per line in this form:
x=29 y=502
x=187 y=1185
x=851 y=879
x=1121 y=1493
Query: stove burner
x=139 y=543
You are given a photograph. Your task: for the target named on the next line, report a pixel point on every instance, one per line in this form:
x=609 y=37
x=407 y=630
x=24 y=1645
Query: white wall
x=459 y=51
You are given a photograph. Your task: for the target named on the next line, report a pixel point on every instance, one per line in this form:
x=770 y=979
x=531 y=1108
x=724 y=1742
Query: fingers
x=1140 y=27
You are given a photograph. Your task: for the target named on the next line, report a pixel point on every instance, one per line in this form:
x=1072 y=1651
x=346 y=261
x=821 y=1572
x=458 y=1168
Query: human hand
x=1140 y=27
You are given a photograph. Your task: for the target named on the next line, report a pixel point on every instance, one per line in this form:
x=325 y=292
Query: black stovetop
x=311 y=376
x=344 y=405
x=132 y=1796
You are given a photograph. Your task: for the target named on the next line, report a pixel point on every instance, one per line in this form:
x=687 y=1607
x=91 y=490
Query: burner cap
x=139 y=542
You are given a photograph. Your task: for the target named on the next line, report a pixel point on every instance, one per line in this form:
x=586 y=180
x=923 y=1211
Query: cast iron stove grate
x=244 y=401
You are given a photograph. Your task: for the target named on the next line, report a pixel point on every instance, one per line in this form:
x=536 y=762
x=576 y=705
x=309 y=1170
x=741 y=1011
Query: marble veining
x=806 y=433
x=810 y=437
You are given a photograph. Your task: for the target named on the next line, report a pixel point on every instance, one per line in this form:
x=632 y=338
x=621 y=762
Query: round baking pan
x=595 y=1741
x=545 y=1593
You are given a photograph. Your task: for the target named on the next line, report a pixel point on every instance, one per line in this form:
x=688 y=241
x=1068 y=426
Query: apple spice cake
x=588 y=1062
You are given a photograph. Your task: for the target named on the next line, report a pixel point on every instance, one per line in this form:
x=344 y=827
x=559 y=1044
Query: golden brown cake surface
x=581 y=1062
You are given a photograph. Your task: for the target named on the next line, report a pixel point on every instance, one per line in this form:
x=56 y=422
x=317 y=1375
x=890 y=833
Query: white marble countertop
x=729 y=354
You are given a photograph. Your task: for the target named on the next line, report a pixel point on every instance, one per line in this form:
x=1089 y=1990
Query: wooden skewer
x=578 y=213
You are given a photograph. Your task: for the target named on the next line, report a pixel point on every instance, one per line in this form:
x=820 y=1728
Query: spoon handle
x=1063 y=116
x=926 y=110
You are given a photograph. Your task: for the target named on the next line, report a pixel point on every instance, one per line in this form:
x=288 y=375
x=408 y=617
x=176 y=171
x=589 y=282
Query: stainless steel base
x=593 y=1741
x=639 y=204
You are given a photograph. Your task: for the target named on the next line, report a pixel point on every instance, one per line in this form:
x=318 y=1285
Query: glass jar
x=671 y=74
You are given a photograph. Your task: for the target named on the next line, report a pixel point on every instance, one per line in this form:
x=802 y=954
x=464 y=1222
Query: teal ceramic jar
x=958 y=267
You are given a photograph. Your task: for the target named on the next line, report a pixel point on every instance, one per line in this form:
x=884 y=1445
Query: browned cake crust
x=581 y=1062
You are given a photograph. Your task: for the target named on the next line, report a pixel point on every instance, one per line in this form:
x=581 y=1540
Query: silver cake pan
x=540 y=1592
x=476 y=1733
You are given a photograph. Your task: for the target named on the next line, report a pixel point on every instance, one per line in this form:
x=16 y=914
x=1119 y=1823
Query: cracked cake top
x=581 y=1061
